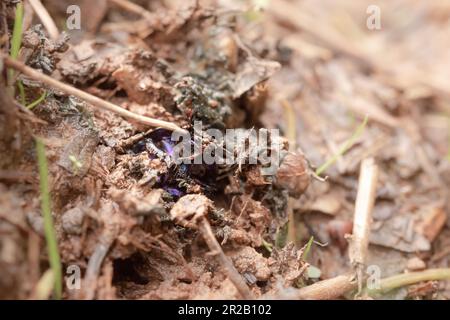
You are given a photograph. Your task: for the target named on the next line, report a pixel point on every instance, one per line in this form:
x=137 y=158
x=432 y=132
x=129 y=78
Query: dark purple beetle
x=159 y=144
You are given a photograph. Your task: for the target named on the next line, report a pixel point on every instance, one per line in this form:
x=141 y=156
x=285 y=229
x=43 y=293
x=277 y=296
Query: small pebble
x=72 y=221
x=36 y=222
x=415 y=264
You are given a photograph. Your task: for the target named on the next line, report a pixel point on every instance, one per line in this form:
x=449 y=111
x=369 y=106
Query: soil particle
x=415 y=264
x=248 y=260
x=77 y=155
x=252 y=217
x=189 y=207
x=134 y=202
x=141 y=88
x=105 y=156
x=72 y=221
x=36 y=222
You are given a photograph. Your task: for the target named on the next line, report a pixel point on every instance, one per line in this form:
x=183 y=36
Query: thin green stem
x=16 y=40
x=49 y=229
x=448 y=132
x=406 y=279
x=344 y=148
x=308 y=248
x=21 y=92
x=37 y=101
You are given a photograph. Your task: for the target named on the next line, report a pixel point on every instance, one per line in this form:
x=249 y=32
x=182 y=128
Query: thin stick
x=45 y=18
x=93 y=268
x=401 y=280
x=323 y=290
x=365 y=199
x=338 y=286
x=344 y=148
x=28 y=15
x=93 y=100
x=327 y=289
x=134 y=8
x=291 y=134
x=214 y=246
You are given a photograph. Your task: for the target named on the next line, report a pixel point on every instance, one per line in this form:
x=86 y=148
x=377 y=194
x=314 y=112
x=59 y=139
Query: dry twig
x=93 y=100
x=401 y=280
x=191 y=211
x=365 y=199
x=340 y=285
x=134 y=8
x=214 y=246
x=93 y=268
x=323 y=290
x=45 y=18
x=327 y=289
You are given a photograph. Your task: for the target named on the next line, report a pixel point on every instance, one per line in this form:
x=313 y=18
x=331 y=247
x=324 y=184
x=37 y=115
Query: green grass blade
x=50 y=234
x=16 y=40
x=37 y=101
x=448 y=152
x=344 y=148
x=308 y=248
x=17 y=31
x=21 y=92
